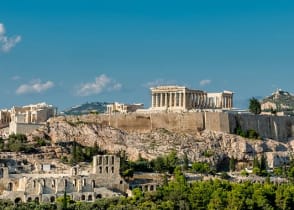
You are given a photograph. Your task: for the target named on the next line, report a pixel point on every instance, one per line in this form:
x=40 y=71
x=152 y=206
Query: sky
x=67 y=53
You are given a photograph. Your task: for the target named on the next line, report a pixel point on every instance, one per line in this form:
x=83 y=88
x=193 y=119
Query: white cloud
x=100 y=84
x=35 y=86
x=7 y=43
x=158 y=82
x=205 y=82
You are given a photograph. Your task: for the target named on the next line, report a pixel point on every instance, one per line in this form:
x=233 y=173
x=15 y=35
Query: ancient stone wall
x=217 y=121
x=23 y=128
x=274 y=127
x=135 y=122
x=267 y=126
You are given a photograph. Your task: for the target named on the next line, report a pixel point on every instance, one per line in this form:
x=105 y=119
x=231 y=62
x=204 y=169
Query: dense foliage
x=179 y=194
x=16 y=143
x=254 y=106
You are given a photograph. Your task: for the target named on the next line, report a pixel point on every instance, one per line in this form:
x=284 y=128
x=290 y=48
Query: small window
x=112 y=160
x=52 y=199
x=106 y=169
x=100 y=170
x=112 y=169
x=90 y=198
x=83 y=197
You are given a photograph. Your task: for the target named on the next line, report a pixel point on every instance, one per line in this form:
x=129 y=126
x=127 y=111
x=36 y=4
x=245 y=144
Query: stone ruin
x=102 y=180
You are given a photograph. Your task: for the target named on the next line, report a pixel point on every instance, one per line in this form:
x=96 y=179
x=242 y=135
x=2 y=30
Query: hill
x=93 y=107
x=279 y=101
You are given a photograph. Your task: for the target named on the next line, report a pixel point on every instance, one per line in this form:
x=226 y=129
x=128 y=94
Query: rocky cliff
x=213 y=147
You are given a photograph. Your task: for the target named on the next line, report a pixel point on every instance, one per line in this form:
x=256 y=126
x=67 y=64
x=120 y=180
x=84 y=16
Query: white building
x=122 y=108
x=180 y=98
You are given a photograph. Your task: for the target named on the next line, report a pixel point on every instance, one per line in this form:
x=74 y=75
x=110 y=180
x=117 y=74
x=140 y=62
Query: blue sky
x=70 y=52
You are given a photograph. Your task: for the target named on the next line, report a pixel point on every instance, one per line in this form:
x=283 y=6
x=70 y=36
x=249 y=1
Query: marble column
x=156 y=99
x=175 y=99
x=165 y=100
x=181 y=100
x=170 y=99
x=184 y=100
x=160 y=99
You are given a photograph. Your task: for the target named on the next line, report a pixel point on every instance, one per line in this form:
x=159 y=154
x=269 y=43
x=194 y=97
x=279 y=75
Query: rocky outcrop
x=209 y=146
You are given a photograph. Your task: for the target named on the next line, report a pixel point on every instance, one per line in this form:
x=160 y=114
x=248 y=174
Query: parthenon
x=180 y=98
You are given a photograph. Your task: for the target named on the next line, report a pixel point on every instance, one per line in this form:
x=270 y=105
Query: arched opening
x=10 y=186
x=106 y=169
x=65 y=183
x=98 y=196
x=52 y=199
x=37 y=199
x=53 y=183
x=112 y=169
x=83 y=197
x=151 y=188
x=17 y=200
x=106 y=160
x=146 y=188
x=100 y=160
x=100 y=170
x=93 y=183
x=1 y=172
x=74 y=182
x=29 y=199
x=75 y=171
x=90 y=197
x=112 y=160
x=121 y=182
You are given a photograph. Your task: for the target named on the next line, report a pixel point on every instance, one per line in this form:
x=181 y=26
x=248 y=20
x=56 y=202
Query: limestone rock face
x=207 y=146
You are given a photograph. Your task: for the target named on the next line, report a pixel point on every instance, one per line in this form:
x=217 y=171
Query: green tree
x=254 y=106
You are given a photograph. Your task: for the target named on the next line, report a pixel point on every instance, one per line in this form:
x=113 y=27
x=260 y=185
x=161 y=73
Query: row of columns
x=176 y=99
x=187 y=100
x=227 y=102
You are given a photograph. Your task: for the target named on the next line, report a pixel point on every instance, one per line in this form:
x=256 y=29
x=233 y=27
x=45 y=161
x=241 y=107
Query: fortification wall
x=139 y=122
x=217 y=121
x=274 y=127
x=23 y=128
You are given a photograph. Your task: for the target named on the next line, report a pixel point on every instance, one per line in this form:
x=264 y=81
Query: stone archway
x=90 y=197
x=10 y=186
x=17 y=200
x=52 y=199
